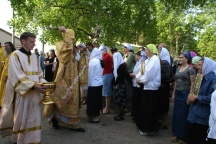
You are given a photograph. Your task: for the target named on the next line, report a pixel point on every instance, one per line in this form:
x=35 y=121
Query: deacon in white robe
x=21 y=112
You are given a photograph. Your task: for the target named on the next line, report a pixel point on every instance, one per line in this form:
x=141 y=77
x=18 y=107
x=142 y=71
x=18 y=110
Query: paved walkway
x=105 y=132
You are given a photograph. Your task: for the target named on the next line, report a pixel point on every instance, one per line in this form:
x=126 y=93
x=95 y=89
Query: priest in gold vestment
x=9 y=48
x=83 y=81
x=2 y=58
x=21 y=112
x=67 y=115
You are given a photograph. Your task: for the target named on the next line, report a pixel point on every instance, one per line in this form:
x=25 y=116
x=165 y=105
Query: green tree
x=175 y=29
x=109 y=21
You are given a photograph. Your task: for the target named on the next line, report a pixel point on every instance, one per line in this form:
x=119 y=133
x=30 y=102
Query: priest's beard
x=7 y=52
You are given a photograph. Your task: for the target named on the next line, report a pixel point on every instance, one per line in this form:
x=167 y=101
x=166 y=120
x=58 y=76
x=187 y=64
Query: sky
x=6 y=14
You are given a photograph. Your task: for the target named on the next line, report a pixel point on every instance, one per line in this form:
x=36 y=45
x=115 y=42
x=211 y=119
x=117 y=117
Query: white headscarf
x=164 y=55
x=143 y=57
x=81 y=45
x=103 y=48
x=208 y=66
x=117 y=60
x=128 y=46
x=96 y=54
x=77 y=56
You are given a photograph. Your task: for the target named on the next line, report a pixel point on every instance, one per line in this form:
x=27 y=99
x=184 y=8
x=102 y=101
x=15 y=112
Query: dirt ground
x=107 y=131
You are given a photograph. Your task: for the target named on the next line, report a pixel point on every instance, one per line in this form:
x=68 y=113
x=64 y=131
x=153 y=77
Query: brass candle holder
x=50 y=88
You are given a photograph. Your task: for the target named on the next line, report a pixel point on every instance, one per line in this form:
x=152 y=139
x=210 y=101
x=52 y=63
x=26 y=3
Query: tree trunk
x=177 y=45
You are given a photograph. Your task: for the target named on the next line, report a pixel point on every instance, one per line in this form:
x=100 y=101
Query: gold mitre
x=70 y=32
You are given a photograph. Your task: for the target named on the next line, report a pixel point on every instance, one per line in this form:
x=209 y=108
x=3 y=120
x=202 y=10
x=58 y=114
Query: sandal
x=118 y=118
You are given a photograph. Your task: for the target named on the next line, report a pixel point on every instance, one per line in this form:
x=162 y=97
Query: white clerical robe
x=21 y=111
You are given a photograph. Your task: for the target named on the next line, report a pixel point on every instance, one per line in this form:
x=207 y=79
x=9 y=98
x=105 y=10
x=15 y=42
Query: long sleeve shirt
x=212 y=118
x=95 y=73
x=200 y=110
x=152 y=75
x=121 y=74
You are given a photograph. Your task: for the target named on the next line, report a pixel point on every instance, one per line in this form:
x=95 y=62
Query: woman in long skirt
x=137 y=88
x=185 y=77
x=151 y=78
x=95 y=85
x=119 y=92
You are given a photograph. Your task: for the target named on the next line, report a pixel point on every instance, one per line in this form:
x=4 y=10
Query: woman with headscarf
x=107 y=78
x=119 y=92
x=9 y=48
x=41 y=60
x=199 y=112
x=212 y=120
x=183 y=87
x=164 y=89
x=137 y=87
x=193 y=54
x=95 y=85
x=195 y=61
x=130 y=60
x=151 y=78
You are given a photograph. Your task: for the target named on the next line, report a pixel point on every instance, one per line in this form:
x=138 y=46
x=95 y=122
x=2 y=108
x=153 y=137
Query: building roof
x=8 y=33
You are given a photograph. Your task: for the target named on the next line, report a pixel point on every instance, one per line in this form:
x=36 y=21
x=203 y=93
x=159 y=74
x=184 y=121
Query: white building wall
x=7 y=37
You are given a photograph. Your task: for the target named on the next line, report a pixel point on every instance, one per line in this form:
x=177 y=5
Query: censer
x=50 y=88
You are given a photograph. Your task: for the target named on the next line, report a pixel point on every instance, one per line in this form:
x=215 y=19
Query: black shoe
x=119 y=118
x=78 y=130
x=92 y=121
x=55 y=123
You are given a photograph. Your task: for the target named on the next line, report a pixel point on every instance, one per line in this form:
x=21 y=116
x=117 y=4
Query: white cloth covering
x=103 y=48
x=117 y=61
x=212 y=118
x=137 y=68
x=152 y=75
x=208 y=66
x=128 y=46
x=164 y=55
x=77 y=56
x=95 y=72
x=24 y=72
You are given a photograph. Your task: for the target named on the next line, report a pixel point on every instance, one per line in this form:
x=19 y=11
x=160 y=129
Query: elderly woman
x=137 y=87
x=164 y=90
x=119 y=92
x=107 y=78
x=95 y=85
x=198 y=116
x=195 y=61
x=130 y=60
x=151 y=78
x=184 y=81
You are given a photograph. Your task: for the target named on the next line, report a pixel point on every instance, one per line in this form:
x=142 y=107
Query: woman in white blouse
x=95 y=84
x=147 y=119
x=137 y=88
